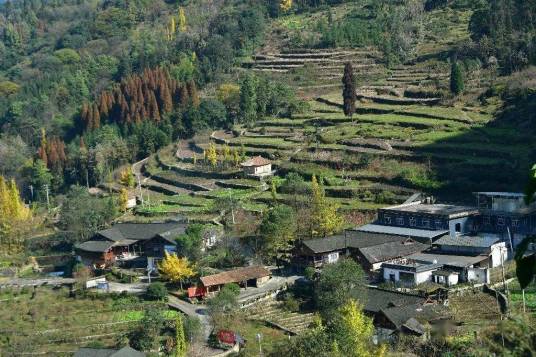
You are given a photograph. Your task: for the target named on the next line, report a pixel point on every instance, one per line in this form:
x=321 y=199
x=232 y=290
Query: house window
x=438 y=223
x=400 y=221
x=458 y=227
x=500 y=221
x=426 y=223
x=387 y=219
x=515 y=222
x=412 y=221
x=487 y=220
x=333 y=257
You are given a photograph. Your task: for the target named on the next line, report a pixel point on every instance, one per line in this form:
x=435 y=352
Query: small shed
x=257 y=166
x=445 y=277
x=247 y=276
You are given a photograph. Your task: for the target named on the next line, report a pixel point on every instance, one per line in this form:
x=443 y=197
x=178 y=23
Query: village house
x=127 y=241
x=257 y=167
x=369 y=249
x=426 y=215
x=395 y=313
x=252 y=276
x=409 y=273
x=505 y=214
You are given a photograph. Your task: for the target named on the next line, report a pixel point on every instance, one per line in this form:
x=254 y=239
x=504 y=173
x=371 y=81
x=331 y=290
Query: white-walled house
x=257 y=166
x=408 y=272
x=472 y=245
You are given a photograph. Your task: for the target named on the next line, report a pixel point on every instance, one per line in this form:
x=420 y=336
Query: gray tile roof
x=105 y=352
x=95 y=246
x=458 y=261
x=408 y=232
x=391 y=250
x=413 y=266
x=378 y=299
x=468 y=241
x=324 y=245
x=142 y=231
x=400 y=315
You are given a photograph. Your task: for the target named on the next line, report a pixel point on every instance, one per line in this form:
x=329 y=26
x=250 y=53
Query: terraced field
x=408 y=133
x=272 y=311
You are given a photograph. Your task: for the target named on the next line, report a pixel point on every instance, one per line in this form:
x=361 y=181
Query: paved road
x=37 y=282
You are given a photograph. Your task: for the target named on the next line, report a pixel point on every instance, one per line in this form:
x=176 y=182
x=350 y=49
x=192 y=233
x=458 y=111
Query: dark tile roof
x=378 y=299
x=401 y=231
x=105 y=352
x=468 y=241
x=400 y=315
x=457 y=261
x=235 y=276
x=391 y=250
x=94 y=246
x=412 y=266
x=142 y=231
x=328 y=244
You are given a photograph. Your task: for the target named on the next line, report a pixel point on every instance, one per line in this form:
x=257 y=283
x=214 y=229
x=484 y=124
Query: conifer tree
x=96 y=117
x=180 y=338
x=457 y=84
x=182 y=20
x=212 y=155
x=348 y=93
x=248 y=100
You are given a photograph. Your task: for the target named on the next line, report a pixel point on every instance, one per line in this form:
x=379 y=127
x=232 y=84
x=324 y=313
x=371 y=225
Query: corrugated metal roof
x=502 y=194
x=391 y=250
x=401 y=231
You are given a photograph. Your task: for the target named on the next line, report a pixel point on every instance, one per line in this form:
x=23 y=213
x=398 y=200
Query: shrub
x=156 y=291
x=291 y=304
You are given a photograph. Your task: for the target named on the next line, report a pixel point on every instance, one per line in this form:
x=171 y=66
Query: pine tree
x=43 y=147
x=172 y=29
x=348 y=93
x=96 y=117
x=248 y=100
x=182 y=20
x=192 y=93
x=180 y=338
x=456 y=79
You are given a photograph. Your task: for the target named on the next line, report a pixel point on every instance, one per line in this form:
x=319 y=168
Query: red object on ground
x=196 y=291
x=226 y=336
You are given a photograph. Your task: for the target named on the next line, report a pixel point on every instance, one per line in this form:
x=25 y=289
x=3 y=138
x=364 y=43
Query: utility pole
x=48 y=197
x=139 y=189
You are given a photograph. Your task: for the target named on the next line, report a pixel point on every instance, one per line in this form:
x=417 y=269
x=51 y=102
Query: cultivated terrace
x=267 y=177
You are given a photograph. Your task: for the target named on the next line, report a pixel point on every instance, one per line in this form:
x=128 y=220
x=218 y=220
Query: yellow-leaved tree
x=325 y=219
x=182 y=20
x=354 y=332
x=13 y=213
x=176 y=269
x=127 y=177
x=285 y=5
x=212 y=155
x=123 y=200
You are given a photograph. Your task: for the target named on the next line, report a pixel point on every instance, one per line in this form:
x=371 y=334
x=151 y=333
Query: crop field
x=51 y=322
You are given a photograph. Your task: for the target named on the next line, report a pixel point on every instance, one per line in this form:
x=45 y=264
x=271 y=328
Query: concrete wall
x=499 y=254
x=478 y=275
x=418 y=278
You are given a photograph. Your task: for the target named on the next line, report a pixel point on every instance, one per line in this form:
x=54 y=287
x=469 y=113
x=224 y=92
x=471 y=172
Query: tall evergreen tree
x=180 y=338
x=456 y=79
x=248 y=99
x=348 y=92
